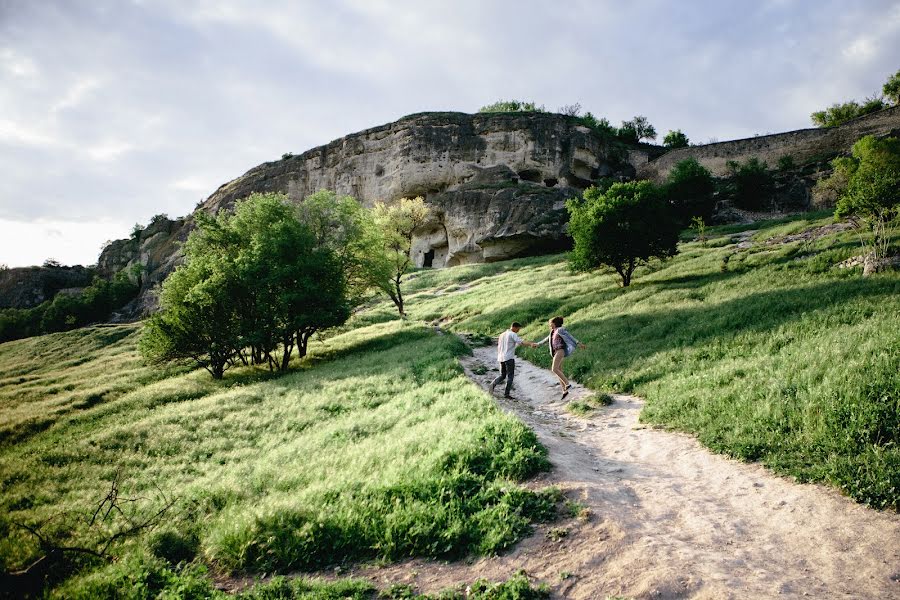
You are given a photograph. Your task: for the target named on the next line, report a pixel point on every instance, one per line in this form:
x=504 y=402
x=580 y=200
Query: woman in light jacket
x=562 y=343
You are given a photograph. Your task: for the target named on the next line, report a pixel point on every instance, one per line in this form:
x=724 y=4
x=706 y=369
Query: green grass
x=767 y=354
x=378 y=447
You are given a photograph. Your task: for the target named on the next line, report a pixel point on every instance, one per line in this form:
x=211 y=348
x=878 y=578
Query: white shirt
x=506 y=345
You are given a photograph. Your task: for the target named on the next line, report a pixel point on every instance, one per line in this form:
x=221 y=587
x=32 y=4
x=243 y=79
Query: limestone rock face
x=497 y=184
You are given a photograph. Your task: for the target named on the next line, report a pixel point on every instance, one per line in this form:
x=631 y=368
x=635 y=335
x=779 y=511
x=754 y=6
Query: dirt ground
x=665 y=518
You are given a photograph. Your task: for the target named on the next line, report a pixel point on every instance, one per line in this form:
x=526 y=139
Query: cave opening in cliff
x=428 y=260
x=551 y=181
x=532 y=175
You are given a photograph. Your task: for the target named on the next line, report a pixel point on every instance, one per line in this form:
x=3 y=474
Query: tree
x=637 y=129
x=689 y=190
x=626 y=226
x=254 y=283
x=601 y=125
x=396 y=225
x=506 y=106
x=676 y=139
x=828 y=190
x=872 y=197
x=751 y=183
x=891 y=88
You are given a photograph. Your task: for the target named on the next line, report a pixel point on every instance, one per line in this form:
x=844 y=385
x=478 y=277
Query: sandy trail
x=669 y=519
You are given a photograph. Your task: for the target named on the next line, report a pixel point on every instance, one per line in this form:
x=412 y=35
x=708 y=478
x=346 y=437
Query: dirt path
x=668 y=519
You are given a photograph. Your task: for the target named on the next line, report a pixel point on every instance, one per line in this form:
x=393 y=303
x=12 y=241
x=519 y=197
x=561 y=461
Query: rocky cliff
x=497 y=183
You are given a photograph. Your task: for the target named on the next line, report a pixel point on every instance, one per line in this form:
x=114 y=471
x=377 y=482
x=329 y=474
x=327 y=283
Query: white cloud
x=24 y=243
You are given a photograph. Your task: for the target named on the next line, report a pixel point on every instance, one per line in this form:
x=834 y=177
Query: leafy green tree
x=626 y=226
x=676 y=139
x=507 y=106
x=396 y=225
x=838 y=114
x=689 y=189
x=891 y=88
x=255 y=285
x=637 y=129
x=198 y=320
x=750 y=183
x=872 y=197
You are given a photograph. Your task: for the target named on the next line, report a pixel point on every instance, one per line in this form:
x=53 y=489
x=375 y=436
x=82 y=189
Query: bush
x=872 y=196
x=689 y=190
x=751 y=184
x=828 y=190
x=511 y=106
x=891 y=88
x=622 y=227
x=838 y=114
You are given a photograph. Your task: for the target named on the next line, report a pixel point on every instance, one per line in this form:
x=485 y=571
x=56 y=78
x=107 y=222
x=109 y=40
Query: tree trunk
x=398 y=296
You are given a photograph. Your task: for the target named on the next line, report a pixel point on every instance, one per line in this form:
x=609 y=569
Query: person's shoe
x=508 y=397
x=491 y=388
x=565 y=393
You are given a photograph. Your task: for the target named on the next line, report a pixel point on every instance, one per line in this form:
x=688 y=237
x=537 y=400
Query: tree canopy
x=396 y=224
x=623 y=227
x=676 y=139
x=255 y=284
x=689 y=189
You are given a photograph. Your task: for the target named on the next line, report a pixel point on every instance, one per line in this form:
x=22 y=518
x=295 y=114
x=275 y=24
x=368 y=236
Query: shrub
x=622 y=227
x=786 y=163
x=751 y=184
x=511 y=106
x=872 y=196
x=828 y=190
x=689 y=190
x=838 y=114
x=891 y=88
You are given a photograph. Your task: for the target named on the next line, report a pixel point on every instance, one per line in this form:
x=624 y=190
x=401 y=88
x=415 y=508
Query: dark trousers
x=507 y=372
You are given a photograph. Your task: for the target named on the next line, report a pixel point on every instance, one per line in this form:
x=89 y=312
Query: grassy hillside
x=378 y=447
x=756 y=343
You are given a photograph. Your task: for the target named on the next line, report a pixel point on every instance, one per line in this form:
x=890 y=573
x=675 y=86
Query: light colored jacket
x=568 y=338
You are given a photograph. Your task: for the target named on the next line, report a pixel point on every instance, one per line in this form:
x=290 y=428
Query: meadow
x=753 y=340
x=376 y=447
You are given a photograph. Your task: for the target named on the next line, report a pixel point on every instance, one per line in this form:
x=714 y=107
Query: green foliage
x=625 y=226
x=676 y=139
x=395 y=225
x=95 y=303
x=840 y=113
x=637 y=129
x=255 y=282
x=872 y=195
x=601 y=125
x=689 y=190
x=511 y=106
x=751 y=184
x=828 y=190
x=891 y=88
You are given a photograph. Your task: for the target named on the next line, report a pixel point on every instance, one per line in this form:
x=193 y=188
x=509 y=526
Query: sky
x=114 y=111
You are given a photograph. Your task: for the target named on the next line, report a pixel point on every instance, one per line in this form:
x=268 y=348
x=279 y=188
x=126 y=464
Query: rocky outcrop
x=26 y=287
x=497 y=184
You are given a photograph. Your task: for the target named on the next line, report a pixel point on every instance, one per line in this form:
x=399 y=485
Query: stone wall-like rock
x=803 y=146
x=26 y=287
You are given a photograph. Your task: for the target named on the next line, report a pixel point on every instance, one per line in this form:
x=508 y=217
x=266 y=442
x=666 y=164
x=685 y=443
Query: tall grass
x=769 y=353
x=378 y=447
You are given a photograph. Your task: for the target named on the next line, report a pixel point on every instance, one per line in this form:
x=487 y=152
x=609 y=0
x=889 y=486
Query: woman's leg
x=557 y=367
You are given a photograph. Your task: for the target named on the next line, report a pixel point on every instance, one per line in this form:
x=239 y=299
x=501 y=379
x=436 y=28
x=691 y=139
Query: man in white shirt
x=506 y=356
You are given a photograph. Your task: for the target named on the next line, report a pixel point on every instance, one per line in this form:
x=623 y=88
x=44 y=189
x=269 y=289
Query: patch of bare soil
x=665 y=518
